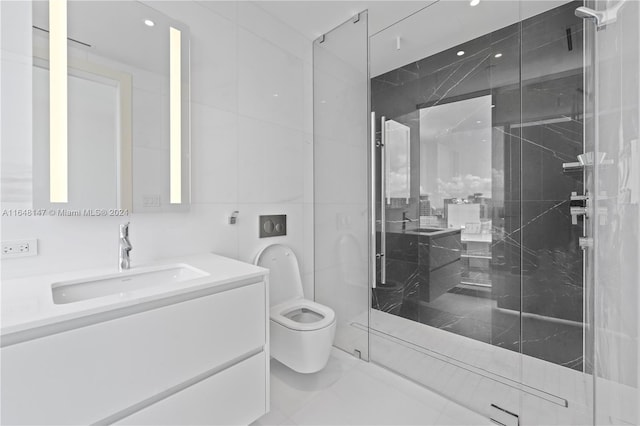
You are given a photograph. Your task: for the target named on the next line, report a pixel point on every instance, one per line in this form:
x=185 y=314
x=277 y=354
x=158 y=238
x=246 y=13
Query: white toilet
x=302 y=331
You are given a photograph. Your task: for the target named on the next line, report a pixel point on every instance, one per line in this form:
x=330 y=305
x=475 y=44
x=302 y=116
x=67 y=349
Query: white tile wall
x=251 y=151
x=271 y=167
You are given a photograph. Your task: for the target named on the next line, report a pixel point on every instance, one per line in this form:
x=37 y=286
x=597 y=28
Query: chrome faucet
x=124 y=262
x=406 y=219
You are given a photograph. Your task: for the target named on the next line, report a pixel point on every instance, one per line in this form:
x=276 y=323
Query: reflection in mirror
x=455 y=151
x=126 y=89
x=398 y=157
x=99 y=131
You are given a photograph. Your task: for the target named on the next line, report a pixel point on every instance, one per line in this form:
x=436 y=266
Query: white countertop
x=27 y=303
x=478 y=238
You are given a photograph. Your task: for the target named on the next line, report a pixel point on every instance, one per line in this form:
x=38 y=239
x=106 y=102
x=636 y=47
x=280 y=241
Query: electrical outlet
x=21 y=248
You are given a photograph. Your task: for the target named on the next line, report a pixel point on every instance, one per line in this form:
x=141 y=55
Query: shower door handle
x=375 y=254
x=383 y=194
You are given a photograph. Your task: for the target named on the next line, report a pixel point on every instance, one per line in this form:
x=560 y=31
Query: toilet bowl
x=302 y=331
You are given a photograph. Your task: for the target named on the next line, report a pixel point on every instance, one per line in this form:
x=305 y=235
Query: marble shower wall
x=552 y=133
x=536 y=297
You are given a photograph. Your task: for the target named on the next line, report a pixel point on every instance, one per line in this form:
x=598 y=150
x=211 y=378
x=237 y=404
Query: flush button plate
x=272 y=225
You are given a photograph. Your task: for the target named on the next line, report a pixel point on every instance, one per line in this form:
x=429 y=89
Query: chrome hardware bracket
x=585 y=242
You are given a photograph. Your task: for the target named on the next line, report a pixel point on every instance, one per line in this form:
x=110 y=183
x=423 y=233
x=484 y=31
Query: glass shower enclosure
x=460 y=193
x=480 y=281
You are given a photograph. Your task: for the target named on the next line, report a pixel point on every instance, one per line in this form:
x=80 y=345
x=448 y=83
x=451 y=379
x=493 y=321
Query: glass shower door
x=446 y=304
x=340 y=209
x=479 y=291
x=614 y=98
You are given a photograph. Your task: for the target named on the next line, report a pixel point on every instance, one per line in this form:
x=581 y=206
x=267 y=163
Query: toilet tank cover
x=284 y=274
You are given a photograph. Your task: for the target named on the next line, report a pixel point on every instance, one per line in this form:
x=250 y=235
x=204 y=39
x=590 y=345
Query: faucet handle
x=577 y=211
x=124 y=230
x=576 y=197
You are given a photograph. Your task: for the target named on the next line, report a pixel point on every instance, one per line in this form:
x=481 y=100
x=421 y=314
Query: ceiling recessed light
x=478 y=122
x=474 y=2
x=275 y=95
x=460 y=52
x=149 y=23
x=498 y=55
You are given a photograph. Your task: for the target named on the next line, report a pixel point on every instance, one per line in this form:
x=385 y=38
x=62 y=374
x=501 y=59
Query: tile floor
x=352 y=392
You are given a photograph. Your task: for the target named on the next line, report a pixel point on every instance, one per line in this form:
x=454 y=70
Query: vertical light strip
x=175 y=116
x=58 y=179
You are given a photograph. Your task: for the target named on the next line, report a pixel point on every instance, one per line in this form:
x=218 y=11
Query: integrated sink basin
x=429 y=230
x=122 y=283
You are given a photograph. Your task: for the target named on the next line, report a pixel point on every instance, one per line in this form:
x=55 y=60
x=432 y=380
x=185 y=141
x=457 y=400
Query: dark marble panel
x=506 y=329
x=464 y=77
x=458 y=313
x=388 y=297
x=445 y=77
x=535 y=265
x=531 y=167
x=403 y=281
x=506 y=289
x=545 y=148
x=396 y=101
x=557 y=342
x=508 y=239
x=511 y=164
x=563 y=141
x=552 y=283
x=544 y=36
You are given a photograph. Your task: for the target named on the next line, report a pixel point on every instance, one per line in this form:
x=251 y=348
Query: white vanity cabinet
x=199 y=357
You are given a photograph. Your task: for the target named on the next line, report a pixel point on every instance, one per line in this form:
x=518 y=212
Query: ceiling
x=313 y=18
x=424 y=27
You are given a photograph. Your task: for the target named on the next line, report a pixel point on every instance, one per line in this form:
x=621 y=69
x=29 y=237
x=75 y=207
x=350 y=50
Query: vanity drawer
x=236 y=395
x=88 y=374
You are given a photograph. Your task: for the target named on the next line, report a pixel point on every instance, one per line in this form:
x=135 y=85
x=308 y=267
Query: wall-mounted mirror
x=110 y=107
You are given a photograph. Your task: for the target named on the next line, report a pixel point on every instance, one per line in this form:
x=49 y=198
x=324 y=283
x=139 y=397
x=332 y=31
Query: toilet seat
x=278 y=314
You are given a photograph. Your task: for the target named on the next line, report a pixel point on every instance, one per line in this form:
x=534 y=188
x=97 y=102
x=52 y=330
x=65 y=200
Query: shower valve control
x=576 y=197
x=577 y=211
x=578 y=206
